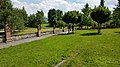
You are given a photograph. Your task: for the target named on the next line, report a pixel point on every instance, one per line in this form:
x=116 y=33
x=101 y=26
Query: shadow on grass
x=117 y=32
x=66 y=33
x=90 y=34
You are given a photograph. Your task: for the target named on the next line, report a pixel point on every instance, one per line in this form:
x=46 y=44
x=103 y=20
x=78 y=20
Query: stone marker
x=7 y=33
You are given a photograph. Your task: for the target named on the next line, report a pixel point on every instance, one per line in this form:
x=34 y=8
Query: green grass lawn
x=83 y=49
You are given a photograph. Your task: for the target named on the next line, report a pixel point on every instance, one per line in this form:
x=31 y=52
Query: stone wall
x=1 y=39
x=29 y=35
x=22 y=36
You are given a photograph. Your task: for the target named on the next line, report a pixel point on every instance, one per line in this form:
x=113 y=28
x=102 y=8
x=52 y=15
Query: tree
x=5 y=6
x=35 y=20
x=14 y=17
x=39 y=18
x=61 y=24
x=102 y=3
x=16 y=20
x=71 y=17
x=25 y=16
x=116 y=15
x=58 y=15
x=100 y=15
x=54 y=16
x=86 y=19
x=32 y=21
x=4 y=15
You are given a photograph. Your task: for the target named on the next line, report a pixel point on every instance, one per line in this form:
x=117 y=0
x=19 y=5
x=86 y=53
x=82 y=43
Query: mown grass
x=83 y=49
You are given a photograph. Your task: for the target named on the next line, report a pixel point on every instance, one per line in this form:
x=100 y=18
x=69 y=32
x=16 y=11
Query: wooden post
x=7 y=33
x=38 y=31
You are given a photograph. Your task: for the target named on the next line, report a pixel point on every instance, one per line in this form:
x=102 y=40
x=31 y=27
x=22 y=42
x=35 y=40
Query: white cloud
x=63 y=5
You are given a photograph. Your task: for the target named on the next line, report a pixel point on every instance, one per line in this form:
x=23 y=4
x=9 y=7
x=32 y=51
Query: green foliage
x=73 y=17
x=83 y=49
x=4 y=16
x=25 y=16
x=101 y=15
x=54 y=16
x=116 y=15
x=15 y=17
x=32 y=21
x=61 y=24
x=102 y=3
x=59 y=15
x=86 y=19
x=36 y=19
x=39 y=17
x=5 y=4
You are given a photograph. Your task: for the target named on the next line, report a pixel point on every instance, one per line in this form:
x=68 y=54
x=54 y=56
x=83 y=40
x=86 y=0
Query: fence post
x=7 y=33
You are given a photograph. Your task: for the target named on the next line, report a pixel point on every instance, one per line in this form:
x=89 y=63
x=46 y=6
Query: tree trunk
x=99 y=28
x=40 y=27
x=63 y=30
x=54 y=29
x=38 y=30
x=73 y=28
x=81 y=27
x=68 y=28
x=87 y=27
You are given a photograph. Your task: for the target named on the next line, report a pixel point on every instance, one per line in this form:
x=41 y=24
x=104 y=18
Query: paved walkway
x=14 y=43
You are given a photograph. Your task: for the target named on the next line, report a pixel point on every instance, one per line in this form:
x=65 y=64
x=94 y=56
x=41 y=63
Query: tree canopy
x=54 y=16
x=116 y=15
x=15 y=17
x=72 y=17
x=86 y=19
x=101 y=15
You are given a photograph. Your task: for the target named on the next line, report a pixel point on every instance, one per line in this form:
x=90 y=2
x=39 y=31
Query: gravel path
x=14 y=43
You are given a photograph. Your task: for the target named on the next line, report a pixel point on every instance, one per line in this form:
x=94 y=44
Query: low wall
x=22 y=36
x=1 y=39
x=29 y=35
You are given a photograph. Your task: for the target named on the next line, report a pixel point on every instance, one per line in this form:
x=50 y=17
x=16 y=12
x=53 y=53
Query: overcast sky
x=32 y=6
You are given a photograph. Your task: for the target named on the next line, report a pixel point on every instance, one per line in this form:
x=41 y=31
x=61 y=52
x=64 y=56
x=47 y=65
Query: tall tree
x=86 y=19
x=53 y=12
x=100 y=15
x=5 y=9
x=39 y=18
x=54 y=16
x=12 y=16
x=116 y=15
x=72 y=17
x=59 y=15
x=5 y=4
x=61 y=24
x=32 y=20
x=102 y=3
x=25 y=15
